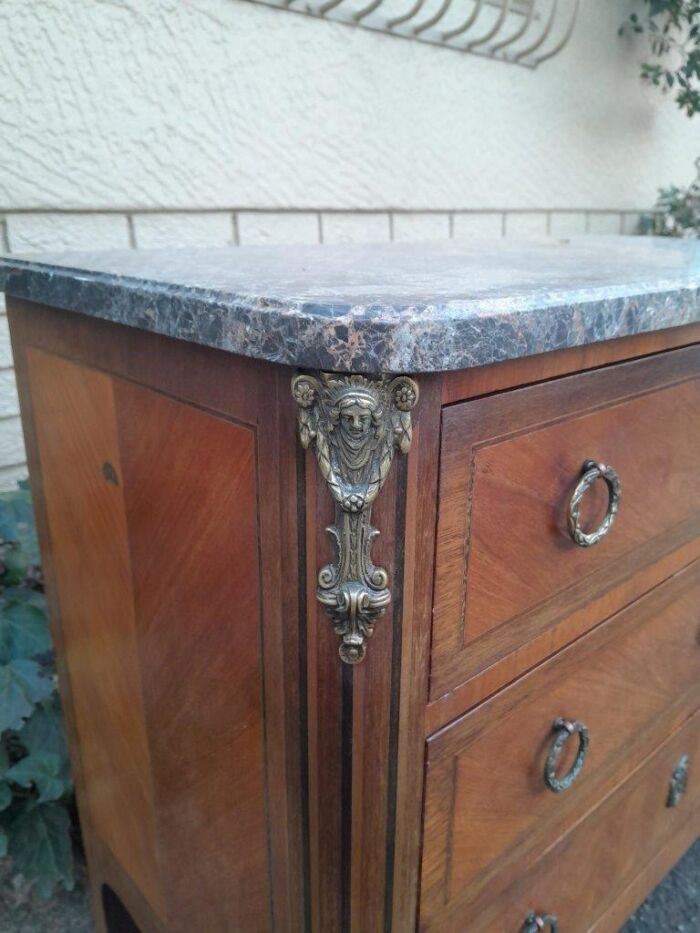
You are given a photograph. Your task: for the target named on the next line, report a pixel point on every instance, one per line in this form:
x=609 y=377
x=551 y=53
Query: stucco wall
x=223 y=103
x=148 y=122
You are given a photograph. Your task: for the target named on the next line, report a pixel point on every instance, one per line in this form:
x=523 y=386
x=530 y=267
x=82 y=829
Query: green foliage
x=39 y=844
x=677 y=212
x=35 y=782
x=22 y=686
x=672 y=29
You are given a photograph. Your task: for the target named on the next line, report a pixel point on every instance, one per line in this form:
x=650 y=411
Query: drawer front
x=578 y=877
x=488 y=808
x=507 y=569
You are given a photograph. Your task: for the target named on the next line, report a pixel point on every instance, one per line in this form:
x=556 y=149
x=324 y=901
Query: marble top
x=396 y=307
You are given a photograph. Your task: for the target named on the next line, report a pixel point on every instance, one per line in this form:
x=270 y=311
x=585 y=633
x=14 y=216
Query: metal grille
x=522 y=32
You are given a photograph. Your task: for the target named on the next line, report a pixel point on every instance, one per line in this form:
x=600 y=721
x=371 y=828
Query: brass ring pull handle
x=679 y=782
x=591 y=472
x=563 y=730
x=536 y=922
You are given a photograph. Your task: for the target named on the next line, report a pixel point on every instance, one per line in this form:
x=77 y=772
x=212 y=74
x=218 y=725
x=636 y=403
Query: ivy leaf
x=16 y=564
x=43 y=731
x=17 y=521
x=21 y=594
x=24 y=630
x=8 y=519
x=40 y=846
x=21 y=687
x=5 y=795
x=44 y=770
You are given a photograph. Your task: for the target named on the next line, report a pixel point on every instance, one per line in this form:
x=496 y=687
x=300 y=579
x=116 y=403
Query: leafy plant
x=677 y=212
x=672 y=28
x=35 y=783
x=673 y=31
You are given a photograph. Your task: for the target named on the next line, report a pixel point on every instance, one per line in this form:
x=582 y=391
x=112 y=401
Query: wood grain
x=327 y=757
x=282 y=598
x=487 y=682
x=579 y=876
x=416 y=619
x=631 y=681
x=77 y=433
x=350 y=727
x=366 y=723
x=506 y=569
x=190 y=493
x=651 y=875
x=255 y=435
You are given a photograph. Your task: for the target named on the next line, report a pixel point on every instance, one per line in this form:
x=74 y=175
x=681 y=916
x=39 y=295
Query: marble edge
x=361 y=338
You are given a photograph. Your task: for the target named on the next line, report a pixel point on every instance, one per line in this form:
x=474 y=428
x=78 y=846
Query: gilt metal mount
x=355 y=424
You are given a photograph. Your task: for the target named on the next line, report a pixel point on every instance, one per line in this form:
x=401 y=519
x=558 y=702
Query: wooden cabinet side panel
x=191 y=500
x=257 y=397
x=77 y=438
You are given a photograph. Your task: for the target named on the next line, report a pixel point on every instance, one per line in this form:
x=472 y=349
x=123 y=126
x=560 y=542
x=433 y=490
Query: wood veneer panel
x=350 y=712
x=366 y=722
x=329 y=721
x=650 y=876
x=256 y=395
x=282 y=600
x=190 y=491
x=486 y=683
x=416 y=620
x=631 y=681
x=579 y=876
x=77 y=436
x=374 y=707
x=506 y=568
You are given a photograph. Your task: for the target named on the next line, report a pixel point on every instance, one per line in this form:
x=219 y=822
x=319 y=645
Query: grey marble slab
x=398 y=307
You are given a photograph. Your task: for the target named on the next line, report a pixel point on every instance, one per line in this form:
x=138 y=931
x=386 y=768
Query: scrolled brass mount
x=592 y=471
x=355 y=424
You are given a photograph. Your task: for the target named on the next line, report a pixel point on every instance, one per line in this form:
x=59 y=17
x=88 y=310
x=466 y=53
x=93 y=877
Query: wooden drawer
x=507 y=571
x=630 y=681
x=579 y=876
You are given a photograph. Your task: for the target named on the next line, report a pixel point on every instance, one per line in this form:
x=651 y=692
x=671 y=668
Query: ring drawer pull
x=678 y=783
x=536 y=922
x=591 y=472
x=563 y=730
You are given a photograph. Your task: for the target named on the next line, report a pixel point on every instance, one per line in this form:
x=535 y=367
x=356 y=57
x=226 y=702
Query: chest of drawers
x=474 y=705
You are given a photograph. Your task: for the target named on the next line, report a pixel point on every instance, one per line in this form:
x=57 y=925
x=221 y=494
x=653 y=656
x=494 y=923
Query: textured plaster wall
x=144 y=123
x=213 y=103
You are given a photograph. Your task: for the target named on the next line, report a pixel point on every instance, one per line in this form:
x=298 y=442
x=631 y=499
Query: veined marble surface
x=399 y=307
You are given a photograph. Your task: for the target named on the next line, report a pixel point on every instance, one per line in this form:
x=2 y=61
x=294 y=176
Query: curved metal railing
x=522 y=32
